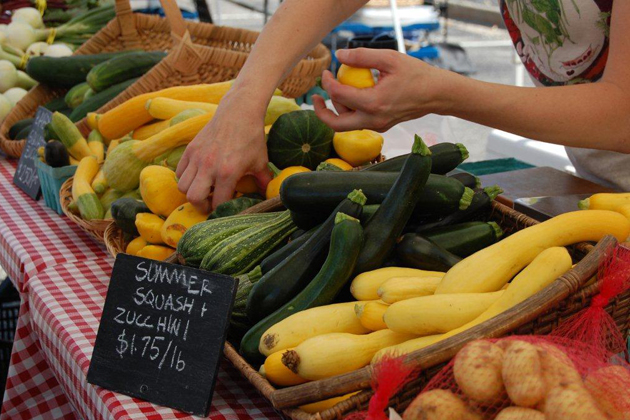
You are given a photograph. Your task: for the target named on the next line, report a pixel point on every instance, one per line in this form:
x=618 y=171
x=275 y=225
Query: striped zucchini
x=200 y=238
x=239 y=253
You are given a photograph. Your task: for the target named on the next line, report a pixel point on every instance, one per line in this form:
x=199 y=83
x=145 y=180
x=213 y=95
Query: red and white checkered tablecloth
x=32 y=236
x=62 y=275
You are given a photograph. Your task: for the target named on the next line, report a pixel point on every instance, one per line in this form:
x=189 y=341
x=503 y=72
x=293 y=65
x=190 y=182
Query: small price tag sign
x=162 y=333
x=26 y=177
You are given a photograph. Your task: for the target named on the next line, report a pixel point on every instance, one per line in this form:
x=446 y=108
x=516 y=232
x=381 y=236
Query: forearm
x=590 y=115
x=293 y=31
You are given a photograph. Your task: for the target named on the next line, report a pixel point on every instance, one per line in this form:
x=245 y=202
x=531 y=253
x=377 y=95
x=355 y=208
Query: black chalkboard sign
x=26 y=173
x=162 y=333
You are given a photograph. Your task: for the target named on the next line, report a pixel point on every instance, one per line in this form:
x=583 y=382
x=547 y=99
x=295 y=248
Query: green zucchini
x=281 y=254
x=199 y=239
x=56 y=104
x=444 y=158
x=23 y=132
x=66 y=72
x=121 y=68
x=124 y=211
x=98 y=100
x=75 y=96
x=345 y=245
x=325 y=166
x=416 y=251
x=480 y=205
x=384 y=228
x=19 y=126
x=467 y=179
x=242 y=251
x=56 y=154
x=234 y=207
x=465 y=239
x=286 y=279
x=311 y=192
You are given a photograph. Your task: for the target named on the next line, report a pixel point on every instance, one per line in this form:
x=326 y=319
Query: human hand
x=407 y=88
x=223 y=152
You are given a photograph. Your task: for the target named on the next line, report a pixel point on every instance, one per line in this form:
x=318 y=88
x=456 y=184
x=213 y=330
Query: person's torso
x=562 y=42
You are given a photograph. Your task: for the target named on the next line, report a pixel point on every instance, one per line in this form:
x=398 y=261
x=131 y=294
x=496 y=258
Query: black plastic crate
x=9 y=311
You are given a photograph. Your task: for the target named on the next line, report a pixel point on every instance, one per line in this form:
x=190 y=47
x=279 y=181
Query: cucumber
x=467 y=179
x=416 y=251
x=480 y=205
x=286 y=279
x=199 y=239
x=95 y=102
x=19 y=126
x=345 y=246
x=384 y=228
x=239 y=253
x=465 y=239
x=281 y=254
x=444 y=158
x=311 y=192
x=66 y=72
x=75 y=96
x=121 y=68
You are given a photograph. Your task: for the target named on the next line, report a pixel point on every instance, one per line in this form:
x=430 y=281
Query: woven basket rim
x=318 y=59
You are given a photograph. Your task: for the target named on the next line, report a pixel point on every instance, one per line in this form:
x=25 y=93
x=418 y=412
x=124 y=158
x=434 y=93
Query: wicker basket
x=218 y=55
x=95 y=228
x=538 y=315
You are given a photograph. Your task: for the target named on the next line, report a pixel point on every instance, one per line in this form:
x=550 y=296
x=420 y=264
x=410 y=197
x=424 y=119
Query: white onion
x=36 y=49
x=14 y=95
x=3 y=28
x=5 y=107
x=20 y=35
x=8 y=75
x=28 y=15
x=58 y=50
x=3 y=38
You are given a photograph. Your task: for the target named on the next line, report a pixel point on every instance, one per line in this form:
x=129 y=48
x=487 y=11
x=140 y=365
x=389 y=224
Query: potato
x=519 y=413
x=557 y=367
x=477 y=370
x=439 y=404
x=616 y=405
x=522 y=374
x=571 y=401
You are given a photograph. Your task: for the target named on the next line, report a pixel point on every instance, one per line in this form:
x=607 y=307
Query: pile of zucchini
x=92 y=80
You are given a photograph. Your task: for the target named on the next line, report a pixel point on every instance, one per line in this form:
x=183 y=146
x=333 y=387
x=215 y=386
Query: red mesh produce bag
x=576 y=373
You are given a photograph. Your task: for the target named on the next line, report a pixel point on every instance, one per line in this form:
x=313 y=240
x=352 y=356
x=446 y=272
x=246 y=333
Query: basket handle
x=127 y=23
x=174 y=17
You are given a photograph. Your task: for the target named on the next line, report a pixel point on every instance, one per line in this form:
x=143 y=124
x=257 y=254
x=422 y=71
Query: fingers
x=341 y=109
x=262 y=179
x=382 y=60
x=182 y=165
x=344 y=122
x=223 y=190
x=187 y=178
x=348 y=96
x=199 y=191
